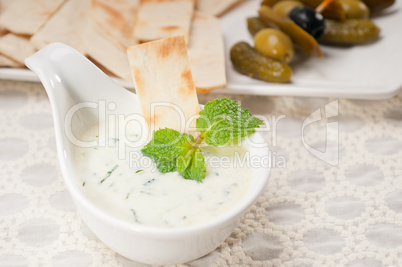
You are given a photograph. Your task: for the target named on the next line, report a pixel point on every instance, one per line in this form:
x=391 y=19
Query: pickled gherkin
x=350 y=31
x=355 y=9
x=378 y=5
x=255 y=24
x=254 y=64
x=333 y=11
x=305 y=41
x=283 y=8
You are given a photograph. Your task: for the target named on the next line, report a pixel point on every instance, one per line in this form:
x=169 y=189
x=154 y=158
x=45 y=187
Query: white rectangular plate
x=369 y=71
x=29 y=76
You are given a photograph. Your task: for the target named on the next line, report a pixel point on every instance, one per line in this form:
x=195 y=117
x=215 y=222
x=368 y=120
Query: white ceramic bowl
x=69 y=79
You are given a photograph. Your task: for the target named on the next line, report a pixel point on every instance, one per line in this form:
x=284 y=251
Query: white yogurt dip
x=132 y=189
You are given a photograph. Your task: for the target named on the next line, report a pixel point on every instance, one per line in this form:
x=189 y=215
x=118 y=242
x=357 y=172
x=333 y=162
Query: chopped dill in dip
x=129 y=186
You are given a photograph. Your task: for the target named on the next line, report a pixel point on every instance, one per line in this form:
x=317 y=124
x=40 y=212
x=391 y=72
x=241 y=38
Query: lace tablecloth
x=334 y=196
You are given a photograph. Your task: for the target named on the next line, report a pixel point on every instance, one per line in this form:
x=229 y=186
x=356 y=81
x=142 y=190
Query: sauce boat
x=70 y=79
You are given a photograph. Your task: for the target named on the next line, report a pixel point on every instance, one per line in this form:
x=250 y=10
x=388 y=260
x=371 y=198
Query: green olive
x=355 y=9
x=275 y=44
x=284 y=7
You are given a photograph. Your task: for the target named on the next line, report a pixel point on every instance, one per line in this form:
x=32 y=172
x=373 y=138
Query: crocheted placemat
x=334 y=195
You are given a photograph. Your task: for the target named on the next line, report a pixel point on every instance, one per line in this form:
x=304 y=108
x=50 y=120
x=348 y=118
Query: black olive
x=309 y=20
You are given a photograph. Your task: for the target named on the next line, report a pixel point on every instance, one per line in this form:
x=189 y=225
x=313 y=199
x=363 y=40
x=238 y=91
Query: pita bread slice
x=3 y=31
x=26 y=17
x=8 y=62
x=157 y=19
x=67 y=26
x=164 y=84
x=116 y=17
x=216 y=7
x=206 y=53
x=16 y=47
x=112 y=55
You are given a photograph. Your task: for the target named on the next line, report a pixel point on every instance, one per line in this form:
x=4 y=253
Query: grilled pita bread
x=216 y=7
x=67 y=26
x=8 y=62
x=157 y=19
x=111 y=54
x=206 y=53
x=163 y=81
x=16 y=47
x=3 y=31
x=26 y=17
x=116 y=18
x=6 y=3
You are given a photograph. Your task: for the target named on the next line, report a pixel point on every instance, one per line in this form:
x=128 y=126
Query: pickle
x=355 y=9
x=255 y=24
x=333 y=11
x=283 y=8
x=269 y=3
x=252 y=63
x=305 y=41
x=377 y=5
x=350 y=31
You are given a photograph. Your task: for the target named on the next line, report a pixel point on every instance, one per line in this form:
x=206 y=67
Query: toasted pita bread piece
x=111 y=54
x=67 y=26
x=116 y=18
x=206 y=53
x=26 y=17
x=3 y=31
x=157 y=19
x=8 y=62
x=164 y=84
x=16 y=47
x=216 y=7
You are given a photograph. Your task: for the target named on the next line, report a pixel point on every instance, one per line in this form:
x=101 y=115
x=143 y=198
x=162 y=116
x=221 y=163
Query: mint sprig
x=221 y=122
x=166 y=146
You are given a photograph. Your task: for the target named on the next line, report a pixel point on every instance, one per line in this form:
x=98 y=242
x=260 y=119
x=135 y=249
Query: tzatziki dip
x=128 y=185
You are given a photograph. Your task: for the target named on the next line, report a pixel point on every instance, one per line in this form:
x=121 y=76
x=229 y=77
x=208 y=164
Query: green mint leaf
x=165 y=166
x=191 y=165
x=170 y=150
x=223 y=121
x=166 y=146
